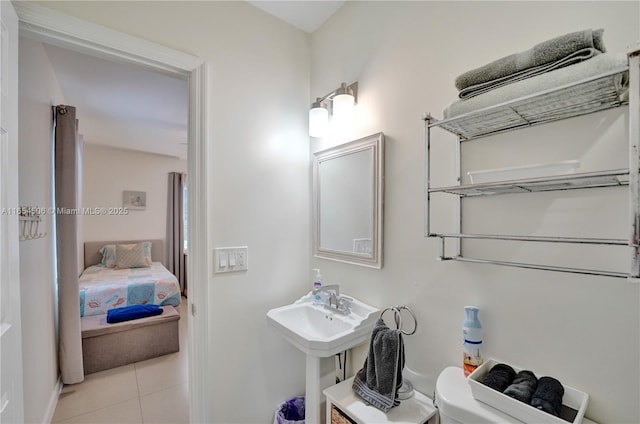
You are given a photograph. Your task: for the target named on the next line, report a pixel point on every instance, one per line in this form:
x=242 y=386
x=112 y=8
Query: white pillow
x=109 y=254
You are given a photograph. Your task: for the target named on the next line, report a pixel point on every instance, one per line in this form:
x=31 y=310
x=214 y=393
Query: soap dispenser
x=317 y=284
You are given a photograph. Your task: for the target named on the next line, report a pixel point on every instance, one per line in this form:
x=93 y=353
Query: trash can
x=290 y=411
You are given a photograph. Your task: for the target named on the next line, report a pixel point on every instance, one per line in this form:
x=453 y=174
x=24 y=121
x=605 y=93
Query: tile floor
x=151 y=391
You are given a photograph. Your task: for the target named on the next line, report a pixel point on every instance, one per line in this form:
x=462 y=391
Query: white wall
x=107 y=172
x=583 y=330
x=405 y=56
x=259 y=181
x=38 y=91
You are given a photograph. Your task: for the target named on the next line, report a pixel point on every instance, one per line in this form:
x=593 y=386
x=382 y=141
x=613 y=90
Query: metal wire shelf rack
x=609 y=90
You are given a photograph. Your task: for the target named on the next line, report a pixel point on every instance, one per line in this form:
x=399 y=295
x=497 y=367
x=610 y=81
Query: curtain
x=67 y=174
x=175 y=229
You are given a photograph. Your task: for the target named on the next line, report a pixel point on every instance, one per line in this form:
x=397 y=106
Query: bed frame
x=106 y=346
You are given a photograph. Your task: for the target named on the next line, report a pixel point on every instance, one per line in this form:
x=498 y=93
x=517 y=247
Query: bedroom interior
x=142 y=280
x=149 y=162
x=259 y=194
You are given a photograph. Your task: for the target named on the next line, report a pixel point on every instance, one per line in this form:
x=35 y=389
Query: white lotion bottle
x=472 y=340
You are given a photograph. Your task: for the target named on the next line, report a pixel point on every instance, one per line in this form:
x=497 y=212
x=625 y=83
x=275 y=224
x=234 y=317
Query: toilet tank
x=456 y=404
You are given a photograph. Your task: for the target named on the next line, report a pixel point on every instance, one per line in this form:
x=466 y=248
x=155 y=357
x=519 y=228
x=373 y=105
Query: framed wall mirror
x=348 y=202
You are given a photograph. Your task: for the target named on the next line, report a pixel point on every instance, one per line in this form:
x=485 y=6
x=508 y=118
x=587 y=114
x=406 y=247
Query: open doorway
x=46 y=26
x=134 y=123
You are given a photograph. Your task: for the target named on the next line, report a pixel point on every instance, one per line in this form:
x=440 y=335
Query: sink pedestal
x=321 y=374
x=321 y=333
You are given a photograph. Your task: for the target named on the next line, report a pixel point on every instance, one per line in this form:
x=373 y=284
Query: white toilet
x=456 y=404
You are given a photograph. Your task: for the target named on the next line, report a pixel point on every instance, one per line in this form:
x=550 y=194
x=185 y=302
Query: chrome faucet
x=334 y=301
x=333 y=290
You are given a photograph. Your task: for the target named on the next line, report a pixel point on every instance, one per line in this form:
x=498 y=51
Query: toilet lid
x=454 y=399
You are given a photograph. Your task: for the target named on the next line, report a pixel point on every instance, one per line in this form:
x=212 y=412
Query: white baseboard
x=53 y=401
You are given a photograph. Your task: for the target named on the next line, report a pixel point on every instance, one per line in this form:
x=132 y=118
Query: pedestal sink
x=321 y=333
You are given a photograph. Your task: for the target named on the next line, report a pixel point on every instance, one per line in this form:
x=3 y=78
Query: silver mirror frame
x=375 y=143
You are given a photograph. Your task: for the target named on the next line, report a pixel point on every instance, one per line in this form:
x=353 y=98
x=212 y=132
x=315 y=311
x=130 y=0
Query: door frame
x=11 y=353
x=52 y=27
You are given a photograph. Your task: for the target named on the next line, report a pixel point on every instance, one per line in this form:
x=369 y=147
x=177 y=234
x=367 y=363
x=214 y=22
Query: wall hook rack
x=29 y=224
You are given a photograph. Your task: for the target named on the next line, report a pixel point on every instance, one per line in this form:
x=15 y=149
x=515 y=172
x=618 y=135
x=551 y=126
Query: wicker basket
x=339 y=417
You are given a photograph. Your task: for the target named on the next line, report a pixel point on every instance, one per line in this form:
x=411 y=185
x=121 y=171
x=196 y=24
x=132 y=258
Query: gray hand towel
x=543 y=53
x=573 y=58
x=381 y=376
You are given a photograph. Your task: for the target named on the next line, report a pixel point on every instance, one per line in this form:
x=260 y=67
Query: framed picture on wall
x=134 y=200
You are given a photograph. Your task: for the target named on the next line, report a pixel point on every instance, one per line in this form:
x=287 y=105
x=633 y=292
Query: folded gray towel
x=523 y=386
x=381 y=376
x=543 y=53
x=571 y=59
x=600 y=64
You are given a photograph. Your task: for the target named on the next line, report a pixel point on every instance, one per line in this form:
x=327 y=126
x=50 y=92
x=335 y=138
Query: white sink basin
x=320 y=332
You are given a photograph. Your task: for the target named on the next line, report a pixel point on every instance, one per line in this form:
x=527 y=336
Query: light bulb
x=343 y=106
x=318 y=121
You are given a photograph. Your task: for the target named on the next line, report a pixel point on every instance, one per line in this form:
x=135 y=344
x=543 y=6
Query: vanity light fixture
x=318 y=118
x=343 y=101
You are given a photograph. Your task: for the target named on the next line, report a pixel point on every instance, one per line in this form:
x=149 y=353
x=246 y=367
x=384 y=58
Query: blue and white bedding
x=103 y=288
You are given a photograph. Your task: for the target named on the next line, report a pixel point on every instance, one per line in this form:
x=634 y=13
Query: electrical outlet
x=231 y=259
x=241 y=257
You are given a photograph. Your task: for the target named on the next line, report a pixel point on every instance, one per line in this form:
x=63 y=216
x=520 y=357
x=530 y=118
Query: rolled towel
x=128 y=313
x=499 y=377
x=548 y=396
x=523 y=386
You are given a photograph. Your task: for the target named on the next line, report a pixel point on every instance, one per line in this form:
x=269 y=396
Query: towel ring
x=397 y=317
x=390 y=308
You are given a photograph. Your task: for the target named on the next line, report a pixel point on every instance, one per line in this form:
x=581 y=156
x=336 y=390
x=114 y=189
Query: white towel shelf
x=418 y=409
x=593 y=94
x=619 y=177
x=590 y=95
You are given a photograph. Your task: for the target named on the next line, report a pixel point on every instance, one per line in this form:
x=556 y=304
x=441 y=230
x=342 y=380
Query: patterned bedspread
x=104 y=288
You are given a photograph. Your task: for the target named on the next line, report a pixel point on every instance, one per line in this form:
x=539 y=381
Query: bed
x=105 y=287
x=106 y=346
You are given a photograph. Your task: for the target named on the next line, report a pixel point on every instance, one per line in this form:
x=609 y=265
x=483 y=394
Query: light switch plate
x=237 y=259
